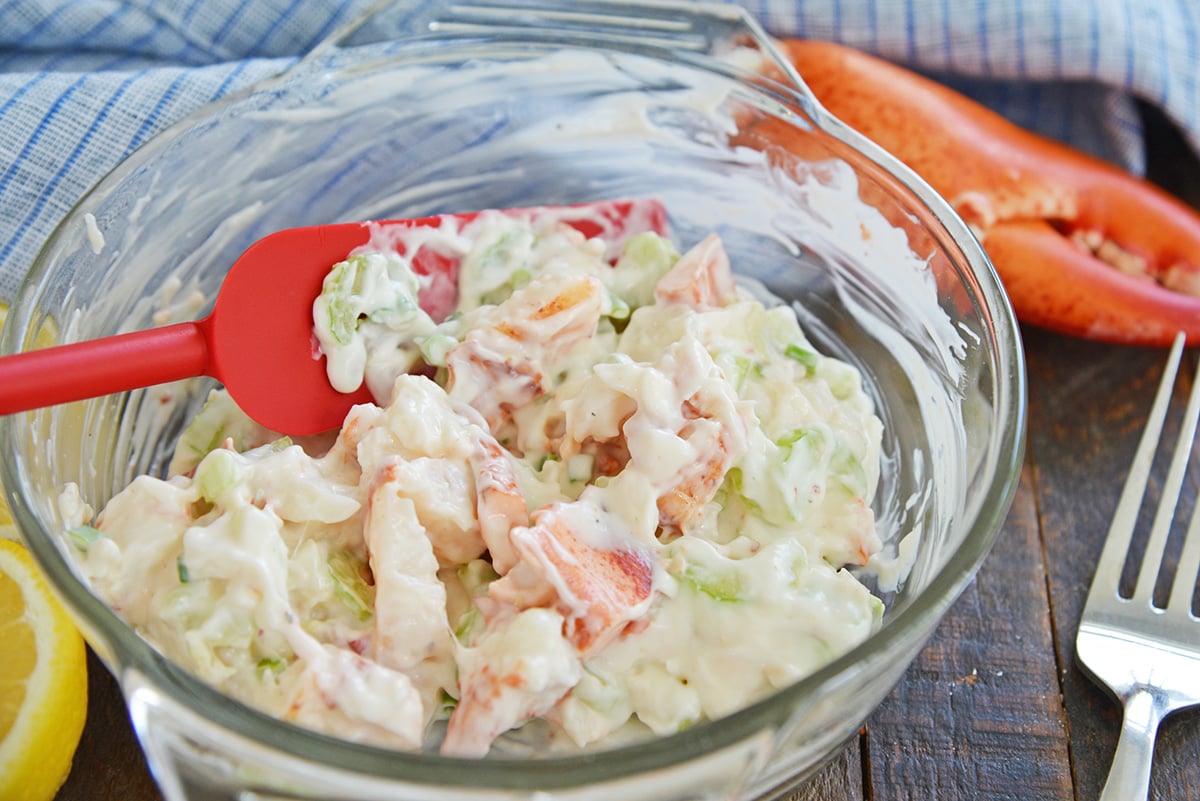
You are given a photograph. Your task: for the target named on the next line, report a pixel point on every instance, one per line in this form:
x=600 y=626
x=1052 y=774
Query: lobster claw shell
x=1081 y=246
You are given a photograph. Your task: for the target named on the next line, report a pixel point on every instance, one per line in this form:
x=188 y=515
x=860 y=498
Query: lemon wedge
x=43 y=682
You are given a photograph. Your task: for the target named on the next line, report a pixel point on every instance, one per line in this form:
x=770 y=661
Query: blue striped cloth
x=83 y=83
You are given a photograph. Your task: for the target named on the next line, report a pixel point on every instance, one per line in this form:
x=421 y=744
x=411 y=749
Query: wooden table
x=995 y=708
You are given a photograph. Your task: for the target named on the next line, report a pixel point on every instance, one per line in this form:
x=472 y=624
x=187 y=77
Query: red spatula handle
x=102 y=366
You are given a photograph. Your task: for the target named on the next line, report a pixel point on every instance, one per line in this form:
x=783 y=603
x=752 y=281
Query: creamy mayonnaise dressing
x=610 y=489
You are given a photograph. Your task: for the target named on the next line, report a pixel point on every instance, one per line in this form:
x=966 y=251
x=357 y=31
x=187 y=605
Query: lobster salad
x=604 y=486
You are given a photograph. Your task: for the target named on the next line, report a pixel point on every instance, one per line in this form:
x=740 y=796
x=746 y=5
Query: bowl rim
x=1006 y=444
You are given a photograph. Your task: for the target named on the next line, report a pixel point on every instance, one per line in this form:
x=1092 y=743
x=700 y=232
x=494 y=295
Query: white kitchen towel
x=83 y=83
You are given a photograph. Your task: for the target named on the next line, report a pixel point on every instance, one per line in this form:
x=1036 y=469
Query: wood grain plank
x=978 y=715
x=841 y=779
x=1089 y=404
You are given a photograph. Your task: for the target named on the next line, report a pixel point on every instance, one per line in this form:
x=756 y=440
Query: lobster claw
x=1081 y=246
x=1054 y=283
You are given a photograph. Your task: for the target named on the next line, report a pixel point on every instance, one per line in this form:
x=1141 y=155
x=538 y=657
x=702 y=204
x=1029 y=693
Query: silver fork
x=1148 y=656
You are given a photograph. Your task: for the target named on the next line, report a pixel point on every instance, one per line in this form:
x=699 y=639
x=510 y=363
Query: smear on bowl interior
x=611 y=489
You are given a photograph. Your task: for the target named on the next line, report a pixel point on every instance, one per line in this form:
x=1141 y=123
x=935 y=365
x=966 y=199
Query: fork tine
x=1152 y=561
x=1112 y=558
x=1180 y=602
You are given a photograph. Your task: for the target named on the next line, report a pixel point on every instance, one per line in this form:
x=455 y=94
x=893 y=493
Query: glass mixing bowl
x=486 y=106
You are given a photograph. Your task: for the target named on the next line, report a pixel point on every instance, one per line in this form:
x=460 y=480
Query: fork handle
x=1129 y=776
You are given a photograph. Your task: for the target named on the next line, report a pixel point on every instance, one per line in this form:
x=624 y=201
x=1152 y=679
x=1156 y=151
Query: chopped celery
x=739 y=368
x=876 y=607
x=505 y=250
x=520 y=278
x=848 y=469
x=361 y=296
x=502 y=267
x=725 y=585
x=581 y=466
x=204 y=435
x=644 y=259
x=270 y=665
x=182 y=570
x=445 y=705
x=805 y=356
x=403 y=305
x=698 y=565
x=543 y=459
x=349 y=585
x=600 y=692
x=469 y=625
x=814 y=440
x=435 y=347
x=476 y=575
x=735 y=481
x=799 y=565
x=340 y=286
x=618 y=308
x=82 y=537
x=219 y=420
x=844 y=466
x=650 y=252
x=219 y=472
x=774 y=478
x=804 y=454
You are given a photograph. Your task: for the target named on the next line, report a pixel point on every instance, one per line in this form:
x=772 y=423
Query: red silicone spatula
x=258 y=341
